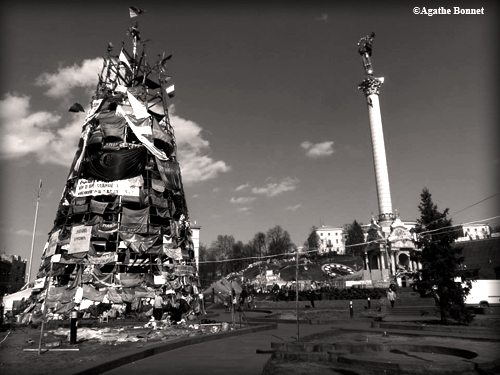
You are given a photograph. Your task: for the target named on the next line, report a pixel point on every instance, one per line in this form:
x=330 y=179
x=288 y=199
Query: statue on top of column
x=365 y=50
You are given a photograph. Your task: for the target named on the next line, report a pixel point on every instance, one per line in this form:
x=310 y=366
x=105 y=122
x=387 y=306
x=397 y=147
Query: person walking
x=391 y=296
x=158 y=306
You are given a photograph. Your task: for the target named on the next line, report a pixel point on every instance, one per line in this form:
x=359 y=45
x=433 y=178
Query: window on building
x=337 y=240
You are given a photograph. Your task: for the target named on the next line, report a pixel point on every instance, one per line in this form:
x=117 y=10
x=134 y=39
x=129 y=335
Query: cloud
x=242 y=200
x=39 y=133
x=193 y=152
x=23 y=232
x=293 y=208
x=49 y=136
x=241 y=187
x=244 y=209
x=323 y=18
x=318 y=150
x=272 y=189
x=61 y=83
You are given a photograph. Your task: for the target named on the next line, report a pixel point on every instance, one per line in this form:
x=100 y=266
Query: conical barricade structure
x=121 y=235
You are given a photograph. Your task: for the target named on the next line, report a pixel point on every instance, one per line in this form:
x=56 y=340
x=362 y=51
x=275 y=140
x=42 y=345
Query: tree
x=441 y=261
x=313 y=241
x=279 y=241
x=222 y=250
x=355 y=236
x=259 y=243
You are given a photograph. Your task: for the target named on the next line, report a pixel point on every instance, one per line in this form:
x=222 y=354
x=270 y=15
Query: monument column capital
x=371 y=85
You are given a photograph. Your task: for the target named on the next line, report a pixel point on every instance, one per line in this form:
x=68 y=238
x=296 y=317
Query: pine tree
x=355 y=236
x=441 y=262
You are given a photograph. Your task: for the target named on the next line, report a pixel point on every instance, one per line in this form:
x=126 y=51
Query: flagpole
x=34 y=230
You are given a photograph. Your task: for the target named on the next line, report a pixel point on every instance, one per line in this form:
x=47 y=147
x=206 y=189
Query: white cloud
x=27 y=132
x=318 y=150
x=244 y=209
x=242 y=200
x=193 y=151
x=323 y=17
x=61 y=83
x=293 y=208
x=44 y=135
x=275 y=188
x=241 y=187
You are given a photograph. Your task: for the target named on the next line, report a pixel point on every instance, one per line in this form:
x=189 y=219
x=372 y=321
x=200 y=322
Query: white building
x=475 y=232
x=331 y=239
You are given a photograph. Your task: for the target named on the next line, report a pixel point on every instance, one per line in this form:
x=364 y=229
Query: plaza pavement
x=239 y=355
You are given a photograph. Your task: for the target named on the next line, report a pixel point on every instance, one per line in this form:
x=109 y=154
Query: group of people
x=246 y=296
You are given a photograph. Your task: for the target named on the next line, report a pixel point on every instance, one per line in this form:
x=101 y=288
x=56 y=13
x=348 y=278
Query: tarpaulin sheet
x=139 y=243
x=130 y=279
x=115 y=164
x=68 y=295
x=128 y=294
x=143 y=132
x=134 y=220
x=170 y=174
x=175 y=254
x=93 y=294
x=98 y=207
x=114 y=296
x=142 y=292
x=55 y=293
x=112 y=126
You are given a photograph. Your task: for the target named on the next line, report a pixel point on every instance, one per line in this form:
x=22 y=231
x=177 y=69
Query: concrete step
x=303 y=356
x=410 y=310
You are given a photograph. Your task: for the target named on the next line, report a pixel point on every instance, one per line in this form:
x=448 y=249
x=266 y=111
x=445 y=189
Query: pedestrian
x=243 y=297
x=313 y=297
x=391 y=296
x=158 y=307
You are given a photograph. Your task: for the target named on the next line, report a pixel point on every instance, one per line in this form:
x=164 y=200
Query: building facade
x=12 y=273
x=331 y=240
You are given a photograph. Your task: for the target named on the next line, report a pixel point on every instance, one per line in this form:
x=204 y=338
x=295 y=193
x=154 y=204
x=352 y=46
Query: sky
x=271 y=128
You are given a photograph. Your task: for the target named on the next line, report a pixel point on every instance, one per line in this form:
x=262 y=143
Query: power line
x=472 y=205
x=346 y=246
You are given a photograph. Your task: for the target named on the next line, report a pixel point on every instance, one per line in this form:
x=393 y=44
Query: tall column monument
x=370 y=87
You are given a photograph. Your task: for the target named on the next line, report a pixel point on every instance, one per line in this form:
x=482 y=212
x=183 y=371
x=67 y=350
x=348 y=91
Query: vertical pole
x=297 y=292
x=47 y=285
x=73 y=327
x=34 y=230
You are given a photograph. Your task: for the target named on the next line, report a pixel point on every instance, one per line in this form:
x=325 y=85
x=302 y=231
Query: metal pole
x=73 y=327
x=297 y=292
x=47 y=284
x=34 y=229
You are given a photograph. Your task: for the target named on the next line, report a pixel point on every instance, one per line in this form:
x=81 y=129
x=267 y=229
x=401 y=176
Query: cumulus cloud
x=323 y=18
x=51 y=137
x=242 y=187
x=318 y=150
x=293 y=208
x=242 y=200
x=36 y=132
x=275 y=188
x=244 y=209
x=193 y=152
x=61 y=83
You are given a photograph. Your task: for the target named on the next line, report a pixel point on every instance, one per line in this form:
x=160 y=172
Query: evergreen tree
x=355 y=236
x=313 y=241
x=441 y=261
